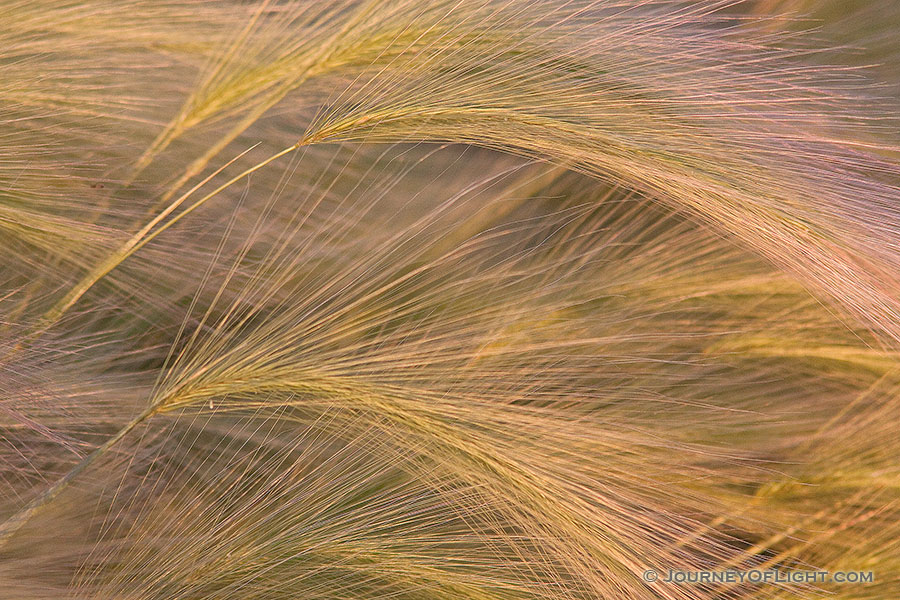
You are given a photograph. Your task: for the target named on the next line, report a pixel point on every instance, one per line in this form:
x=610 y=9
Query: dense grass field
x=449 y=299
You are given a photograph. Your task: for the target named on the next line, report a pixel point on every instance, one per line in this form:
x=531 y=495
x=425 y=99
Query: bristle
x=448 y=299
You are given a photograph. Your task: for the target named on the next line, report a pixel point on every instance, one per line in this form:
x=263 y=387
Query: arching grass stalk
x=146 y=235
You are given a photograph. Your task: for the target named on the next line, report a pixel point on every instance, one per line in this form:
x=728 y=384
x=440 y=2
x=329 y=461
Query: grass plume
x=446 y=299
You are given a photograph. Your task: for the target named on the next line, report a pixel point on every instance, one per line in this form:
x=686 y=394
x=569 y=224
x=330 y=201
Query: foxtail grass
x=445 y=299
